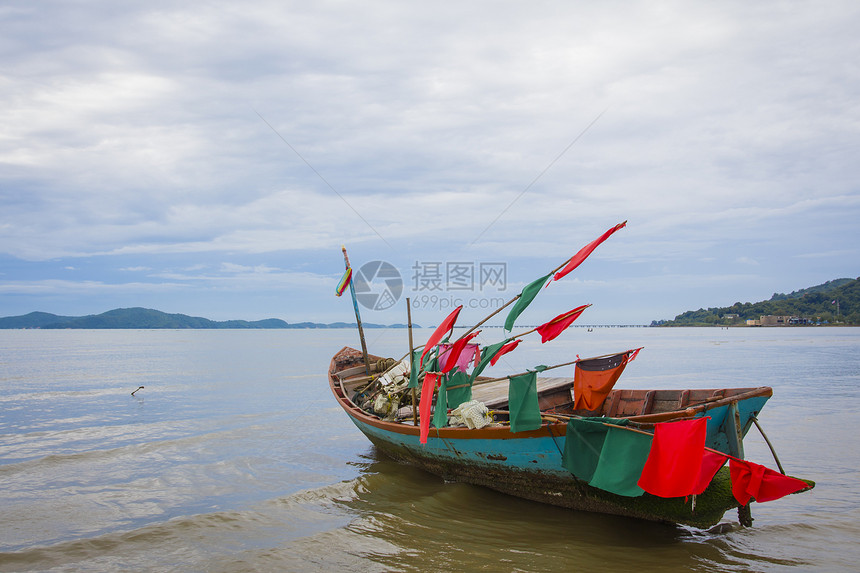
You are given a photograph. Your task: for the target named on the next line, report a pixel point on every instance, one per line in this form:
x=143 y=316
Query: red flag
x=593 y=380
x=751 y=480
x=557 y=325
x=675 y=460
x=452 y=356
x=504 y=350
x=446 y=326
x=711 y=463
x=583 y=253
x=424 y=406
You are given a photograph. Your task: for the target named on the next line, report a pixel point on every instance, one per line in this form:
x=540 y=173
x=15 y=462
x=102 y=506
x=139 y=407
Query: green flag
x=582 y=446
x=526 y=297
x=607 y=457
x=413 y=370
x=457 y=396
x=486 y=356
x=449 y=399
x=523 y=402
x=584 y=442
x=621 y=462
x=440 y=415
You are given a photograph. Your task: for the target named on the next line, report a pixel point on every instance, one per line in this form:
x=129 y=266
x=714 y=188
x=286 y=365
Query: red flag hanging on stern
x=443 y=329
x=583 y=253
x=711 y=463
x=557 y=325
x=504 y=350
x=675 y=460
x=751 y=480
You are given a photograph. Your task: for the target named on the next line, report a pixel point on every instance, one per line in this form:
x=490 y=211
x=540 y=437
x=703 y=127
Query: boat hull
x=531 y=468
x=529 y=464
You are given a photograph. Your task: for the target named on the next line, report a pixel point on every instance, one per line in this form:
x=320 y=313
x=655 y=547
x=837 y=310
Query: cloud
x=86 y=287
x=724 y=133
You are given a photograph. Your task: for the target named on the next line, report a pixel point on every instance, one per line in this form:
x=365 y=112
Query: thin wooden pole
x=527 y=332
x=357 y=314
x=491 y=315
x=498 y=310
x=411 y=358
x=769 y=445
x=479 y=382
x=560 y=365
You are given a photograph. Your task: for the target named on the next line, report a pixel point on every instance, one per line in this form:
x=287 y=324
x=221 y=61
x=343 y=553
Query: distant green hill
x=33 y=320
x=145 y=318
x=834 y=302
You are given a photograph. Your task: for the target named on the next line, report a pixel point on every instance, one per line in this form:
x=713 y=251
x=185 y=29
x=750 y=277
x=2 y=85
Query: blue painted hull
x=541 y=453
x=529 y=464
x=531 y=468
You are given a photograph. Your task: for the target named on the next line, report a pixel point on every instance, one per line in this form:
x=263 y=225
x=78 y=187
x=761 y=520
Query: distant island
x=834 y=302
x=145 y=318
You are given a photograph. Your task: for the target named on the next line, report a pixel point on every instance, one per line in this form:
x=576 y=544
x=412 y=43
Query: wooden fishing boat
x=529 y=464
x=574 y=442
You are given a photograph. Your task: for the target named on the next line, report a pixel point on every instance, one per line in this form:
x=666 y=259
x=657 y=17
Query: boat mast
x=357 y=315
x=411 y=358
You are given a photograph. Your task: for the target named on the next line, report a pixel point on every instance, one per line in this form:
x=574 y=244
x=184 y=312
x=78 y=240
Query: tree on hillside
x=836 y=301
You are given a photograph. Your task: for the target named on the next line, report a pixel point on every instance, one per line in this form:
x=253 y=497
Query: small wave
x=56 y=395
x=32 y=450
x=175 y=543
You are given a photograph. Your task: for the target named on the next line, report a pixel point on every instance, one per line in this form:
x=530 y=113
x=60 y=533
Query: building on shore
x=775 y=320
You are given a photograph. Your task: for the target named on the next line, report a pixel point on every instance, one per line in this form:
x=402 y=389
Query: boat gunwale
x=547 y=429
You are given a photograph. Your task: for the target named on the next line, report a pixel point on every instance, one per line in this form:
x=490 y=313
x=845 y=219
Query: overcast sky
x=210 y=158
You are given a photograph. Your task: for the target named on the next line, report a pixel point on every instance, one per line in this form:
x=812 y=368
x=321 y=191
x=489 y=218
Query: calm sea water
x=235 y=457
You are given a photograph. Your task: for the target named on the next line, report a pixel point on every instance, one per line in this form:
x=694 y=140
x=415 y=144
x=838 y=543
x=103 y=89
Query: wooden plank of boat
x=495 y=394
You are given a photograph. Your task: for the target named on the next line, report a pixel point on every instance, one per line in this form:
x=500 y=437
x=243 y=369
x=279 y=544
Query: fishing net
x=473 y=414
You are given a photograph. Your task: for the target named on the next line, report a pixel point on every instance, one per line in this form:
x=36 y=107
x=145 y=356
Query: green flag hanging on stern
x=523 y=402
x=621 y=462
x=606 y=456
x=584 y=442
x=526 y=297
x=582 y=446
